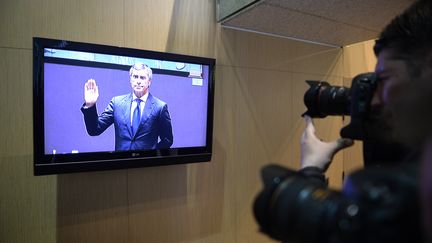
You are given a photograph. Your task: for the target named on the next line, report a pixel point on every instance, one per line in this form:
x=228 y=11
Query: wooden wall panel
x=258 y=103
x=358 y=58
x=27 y=203
x=171 y=26
x=269 y=102
x=98 y=21
x=147 y=23
x=92 y=207
x=243 y=141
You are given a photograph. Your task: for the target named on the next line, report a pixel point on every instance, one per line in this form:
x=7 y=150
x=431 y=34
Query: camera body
x=322 y=100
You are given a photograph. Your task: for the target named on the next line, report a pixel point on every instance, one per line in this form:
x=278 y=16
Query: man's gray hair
x=141 y=66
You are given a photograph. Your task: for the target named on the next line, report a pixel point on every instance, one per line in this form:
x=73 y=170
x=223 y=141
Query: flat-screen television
x=100 y=107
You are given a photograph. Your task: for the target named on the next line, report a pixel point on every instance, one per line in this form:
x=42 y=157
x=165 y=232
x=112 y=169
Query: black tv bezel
x=110 y=160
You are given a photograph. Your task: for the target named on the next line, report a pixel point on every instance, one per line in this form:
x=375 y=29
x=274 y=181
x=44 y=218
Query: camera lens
x=295 y=207
x=322 y=99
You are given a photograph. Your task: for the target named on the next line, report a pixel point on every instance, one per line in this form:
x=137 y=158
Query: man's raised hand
x=91 y=93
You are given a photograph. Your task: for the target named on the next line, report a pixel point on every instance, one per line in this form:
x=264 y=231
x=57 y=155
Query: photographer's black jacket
x=375 y=205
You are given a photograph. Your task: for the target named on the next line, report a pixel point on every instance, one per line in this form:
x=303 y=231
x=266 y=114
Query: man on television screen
x=141 y=121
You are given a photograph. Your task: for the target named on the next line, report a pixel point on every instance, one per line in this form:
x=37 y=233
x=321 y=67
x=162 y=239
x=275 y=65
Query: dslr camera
x=322 y=100
x=368 y=123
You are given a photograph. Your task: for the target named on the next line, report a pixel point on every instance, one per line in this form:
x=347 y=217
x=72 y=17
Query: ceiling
x=328 y=22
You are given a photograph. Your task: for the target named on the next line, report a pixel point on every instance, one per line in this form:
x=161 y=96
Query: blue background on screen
x=64 y=95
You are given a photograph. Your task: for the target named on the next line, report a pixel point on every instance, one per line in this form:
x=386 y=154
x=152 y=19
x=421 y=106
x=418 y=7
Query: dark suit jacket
x=155 y=123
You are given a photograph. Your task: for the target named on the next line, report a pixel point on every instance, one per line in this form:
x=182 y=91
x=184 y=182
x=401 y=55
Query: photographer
x=377 y=204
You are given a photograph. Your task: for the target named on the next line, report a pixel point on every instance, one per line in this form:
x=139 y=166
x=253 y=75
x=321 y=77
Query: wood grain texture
x=258 y=103
x=98 y=21
x=27 y=203
x=92 y=207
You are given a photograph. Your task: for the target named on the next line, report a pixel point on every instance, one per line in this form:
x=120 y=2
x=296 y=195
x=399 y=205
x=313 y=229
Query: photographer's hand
x=317 y=153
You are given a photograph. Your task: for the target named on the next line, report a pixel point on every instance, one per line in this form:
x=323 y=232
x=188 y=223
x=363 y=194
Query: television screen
x=99 y=107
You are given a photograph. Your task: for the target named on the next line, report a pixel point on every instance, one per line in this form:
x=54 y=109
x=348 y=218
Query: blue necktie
x=136 y=117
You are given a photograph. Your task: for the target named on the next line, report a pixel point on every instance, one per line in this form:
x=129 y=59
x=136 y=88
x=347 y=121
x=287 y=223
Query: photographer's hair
x=409 y=35
x=141 y=66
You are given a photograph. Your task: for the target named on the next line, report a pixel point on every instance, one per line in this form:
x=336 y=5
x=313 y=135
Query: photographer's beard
x=411 y=110
x=380 y=145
